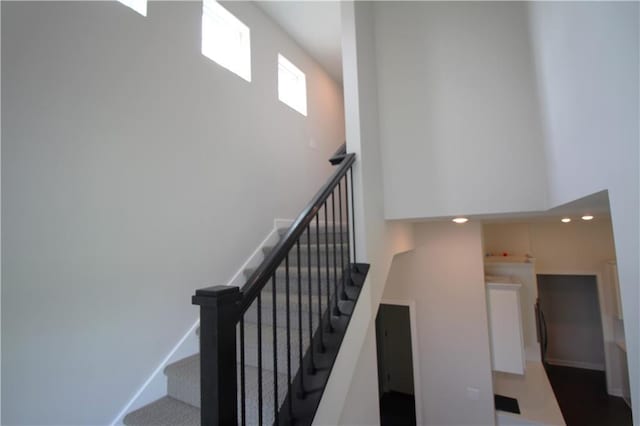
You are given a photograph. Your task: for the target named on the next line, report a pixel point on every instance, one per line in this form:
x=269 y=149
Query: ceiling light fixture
x=587 y=217
x=460 y=220
x=566 y=219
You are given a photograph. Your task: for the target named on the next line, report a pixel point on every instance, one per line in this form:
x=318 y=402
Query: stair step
x=251 y=316
x=251 y=347
x=281 y=275
x=183 y=380
x=304 y=253
x=166 y=411
x=184 y=387
x=321 y=235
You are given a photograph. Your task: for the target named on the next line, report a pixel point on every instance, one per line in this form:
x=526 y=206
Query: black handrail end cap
x=216 y=294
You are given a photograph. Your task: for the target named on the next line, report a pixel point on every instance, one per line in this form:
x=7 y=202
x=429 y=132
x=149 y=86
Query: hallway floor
x=583 y=399
x=397 y=409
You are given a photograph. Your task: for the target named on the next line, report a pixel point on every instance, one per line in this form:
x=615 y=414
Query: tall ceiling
x=315 y=26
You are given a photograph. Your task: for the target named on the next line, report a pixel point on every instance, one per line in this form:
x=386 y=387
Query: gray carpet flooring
x=181 y=406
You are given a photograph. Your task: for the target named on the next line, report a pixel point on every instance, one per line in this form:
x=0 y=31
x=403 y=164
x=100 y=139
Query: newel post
x=218 y=371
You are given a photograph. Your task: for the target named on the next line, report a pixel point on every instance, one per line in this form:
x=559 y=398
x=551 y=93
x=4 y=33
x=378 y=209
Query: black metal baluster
x=242 y=376
x=346 y=204
x=260 y=358
x=302 y=392
x=286 y=263
x=343 y=295
x=320 y=328
x=353 y=221
x=312 y=367
x=275 y=349
x=326 y=246
x=336 y=310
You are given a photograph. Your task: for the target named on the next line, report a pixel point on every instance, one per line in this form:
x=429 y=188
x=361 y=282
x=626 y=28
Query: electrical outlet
x=473 y=393
x=312 y=143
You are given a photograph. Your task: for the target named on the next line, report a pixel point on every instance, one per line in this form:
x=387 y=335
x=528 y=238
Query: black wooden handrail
x=261 y=276
x=339 y=155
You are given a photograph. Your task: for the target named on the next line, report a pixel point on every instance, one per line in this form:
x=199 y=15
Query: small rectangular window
x=139 y=6
x=292 y=85
x=225 y=39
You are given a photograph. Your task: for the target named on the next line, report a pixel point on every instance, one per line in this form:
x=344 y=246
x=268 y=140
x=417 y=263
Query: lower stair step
x=184 y=388
x=166 y=411
x=183 y=380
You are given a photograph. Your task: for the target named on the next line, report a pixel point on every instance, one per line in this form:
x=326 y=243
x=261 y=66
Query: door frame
x=415 y=359
x=607 y=327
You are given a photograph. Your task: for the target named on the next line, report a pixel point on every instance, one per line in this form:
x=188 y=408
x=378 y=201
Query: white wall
x=459 y=123
x=348 y=399
x=587 y=58
x=444 y=275
x=135 y=170
x=556 y=246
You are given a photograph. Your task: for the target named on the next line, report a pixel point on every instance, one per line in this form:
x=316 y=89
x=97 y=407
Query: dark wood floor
x=397 y=409
x=583 y=399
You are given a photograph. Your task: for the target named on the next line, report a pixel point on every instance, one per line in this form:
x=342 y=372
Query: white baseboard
x=155 y=387
x=575 y=364
x=616 y=392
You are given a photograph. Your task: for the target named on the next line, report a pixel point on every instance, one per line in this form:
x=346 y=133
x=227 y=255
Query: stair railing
x=233 y=318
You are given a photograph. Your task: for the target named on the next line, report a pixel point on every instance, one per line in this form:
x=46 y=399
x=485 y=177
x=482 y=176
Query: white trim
x=616 y=392
x=417 y=384
x=188 y=343
x=576 y=364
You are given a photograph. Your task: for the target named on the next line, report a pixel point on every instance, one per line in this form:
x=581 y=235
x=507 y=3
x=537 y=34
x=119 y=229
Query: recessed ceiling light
x=587 y=217
x=460 y=220
x=566 y=219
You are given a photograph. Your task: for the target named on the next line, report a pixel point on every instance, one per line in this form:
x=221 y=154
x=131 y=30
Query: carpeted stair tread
x=281 y=273
x=183 y=380
x=166 y=411
x=321 y=236
x=304 y=253
x=251 y=316
x=251 y=346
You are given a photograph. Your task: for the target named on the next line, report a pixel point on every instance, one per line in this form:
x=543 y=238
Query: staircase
x=292 y=313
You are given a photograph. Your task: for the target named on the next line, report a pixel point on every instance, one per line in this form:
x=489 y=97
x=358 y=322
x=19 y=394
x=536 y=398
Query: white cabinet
x=505 y=326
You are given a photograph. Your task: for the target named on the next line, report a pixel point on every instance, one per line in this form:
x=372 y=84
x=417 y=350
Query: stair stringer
x=155 y=386
x=330 y=408
x=338 y=389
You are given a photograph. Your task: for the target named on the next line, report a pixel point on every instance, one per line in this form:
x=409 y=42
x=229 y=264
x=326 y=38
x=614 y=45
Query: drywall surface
x=572 y=313
x=134 y=170
x=506 y=238
x=459 y=120
x=556 y=246
x=444 y=276
x=377 y=240
x=364 y=383
x=587 y=57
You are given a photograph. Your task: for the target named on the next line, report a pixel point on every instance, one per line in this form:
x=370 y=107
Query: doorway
x=396 y=370
x=573 y=350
